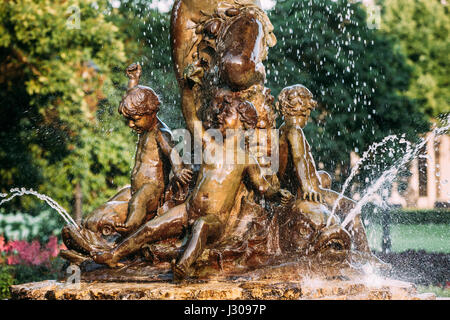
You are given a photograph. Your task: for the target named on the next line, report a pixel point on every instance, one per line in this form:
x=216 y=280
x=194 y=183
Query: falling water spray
x=388 y=176
x=18 y=192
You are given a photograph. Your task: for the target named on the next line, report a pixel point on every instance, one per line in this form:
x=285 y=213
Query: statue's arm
x=305 y=167
x=133 y=72
x=165 y=143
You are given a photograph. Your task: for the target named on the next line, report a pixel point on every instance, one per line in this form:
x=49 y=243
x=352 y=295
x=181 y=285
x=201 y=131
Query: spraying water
x=16 y=192
x=388 y=176
x=355 y=169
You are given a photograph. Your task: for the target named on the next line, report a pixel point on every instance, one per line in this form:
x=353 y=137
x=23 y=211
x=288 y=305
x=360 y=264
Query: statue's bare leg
x=205 y=230
x=144 y=200
x=168 y=225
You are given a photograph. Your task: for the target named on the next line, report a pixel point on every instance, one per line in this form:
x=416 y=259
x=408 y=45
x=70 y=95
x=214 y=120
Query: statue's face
x=262 y=100
x=296 y=109
x=143 y=123
x=229 y=120
x=266 y=116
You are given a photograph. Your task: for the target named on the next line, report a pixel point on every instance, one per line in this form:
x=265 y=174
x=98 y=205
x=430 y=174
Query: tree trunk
x=78 y=211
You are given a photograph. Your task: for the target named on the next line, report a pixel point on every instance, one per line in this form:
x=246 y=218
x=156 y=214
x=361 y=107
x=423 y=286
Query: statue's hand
x=313 y=196
x=107 y=258
x=134 y=71
x=286 y=197
x=184 y=175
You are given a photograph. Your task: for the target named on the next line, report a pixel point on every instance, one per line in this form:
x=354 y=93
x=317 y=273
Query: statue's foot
x=107 y=258
x=74 y=257
x=179 y=271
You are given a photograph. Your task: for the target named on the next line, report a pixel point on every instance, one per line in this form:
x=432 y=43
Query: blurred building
x=429 y=183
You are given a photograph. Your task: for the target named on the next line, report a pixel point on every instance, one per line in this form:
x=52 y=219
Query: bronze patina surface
x=223 y=220
x=150 y=186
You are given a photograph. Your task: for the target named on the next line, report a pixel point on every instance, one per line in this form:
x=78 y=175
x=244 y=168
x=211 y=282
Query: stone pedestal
x=287 y=282
x=217 y=290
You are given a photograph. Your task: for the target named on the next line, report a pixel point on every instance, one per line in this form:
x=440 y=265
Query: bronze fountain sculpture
x=233 y=217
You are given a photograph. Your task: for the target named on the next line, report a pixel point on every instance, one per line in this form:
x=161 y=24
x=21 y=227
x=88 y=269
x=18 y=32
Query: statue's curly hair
x=138 y=101
x=294 y=100
x=222 y=103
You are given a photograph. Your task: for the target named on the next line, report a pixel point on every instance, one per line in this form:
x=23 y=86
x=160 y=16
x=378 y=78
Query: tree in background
x=59 y=128
x=358 y=77
x=422 y=28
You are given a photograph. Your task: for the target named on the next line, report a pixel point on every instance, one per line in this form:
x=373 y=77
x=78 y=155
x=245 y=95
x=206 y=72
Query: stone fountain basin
x=289 y=281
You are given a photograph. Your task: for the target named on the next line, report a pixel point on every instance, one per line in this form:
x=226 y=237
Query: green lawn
x=428 y=237
x=439 y=292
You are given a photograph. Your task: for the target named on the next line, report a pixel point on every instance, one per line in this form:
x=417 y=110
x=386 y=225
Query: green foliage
x=59 y=123
x=18 y=274
x=23 y=226
x=26 y=273
x=357 y=75
x=421 y=27
x=6 y=281
x=410 y=216
x=30 y=261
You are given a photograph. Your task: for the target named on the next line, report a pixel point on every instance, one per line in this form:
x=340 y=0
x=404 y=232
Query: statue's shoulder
x=165 y=130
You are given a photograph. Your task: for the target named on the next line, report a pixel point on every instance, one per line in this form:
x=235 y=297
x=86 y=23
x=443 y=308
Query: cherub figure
x=150 y=185
x=140 y=106
x=295 y=104
x=208 y=207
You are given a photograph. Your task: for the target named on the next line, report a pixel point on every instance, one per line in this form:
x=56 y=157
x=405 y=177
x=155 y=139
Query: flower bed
x=22 y=261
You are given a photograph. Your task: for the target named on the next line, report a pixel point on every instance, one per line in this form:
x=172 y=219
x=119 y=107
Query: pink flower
x=12 y=260
x=52 y=246
x=23 y=252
